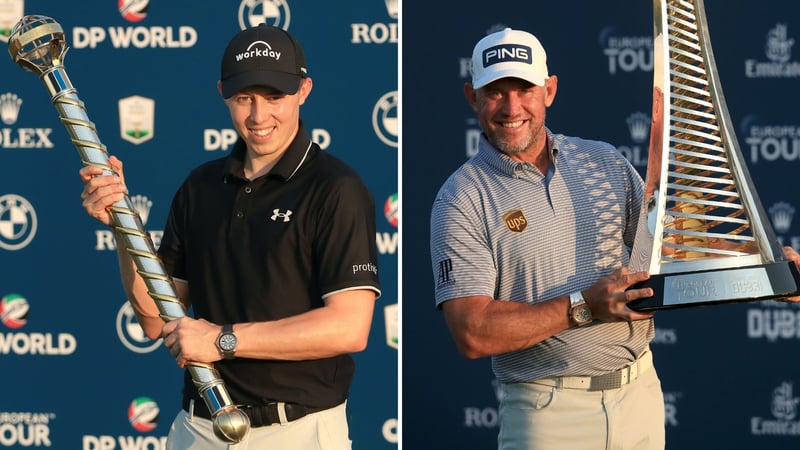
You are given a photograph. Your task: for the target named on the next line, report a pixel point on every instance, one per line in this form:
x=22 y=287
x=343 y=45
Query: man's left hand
x=191 y=339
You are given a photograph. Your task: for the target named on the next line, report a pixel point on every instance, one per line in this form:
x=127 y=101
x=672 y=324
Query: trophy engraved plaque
x=38 y=44
x=702 y=234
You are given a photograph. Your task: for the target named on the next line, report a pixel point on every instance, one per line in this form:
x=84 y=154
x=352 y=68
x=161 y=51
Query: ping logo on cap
x=507 y=53
x=253 y=52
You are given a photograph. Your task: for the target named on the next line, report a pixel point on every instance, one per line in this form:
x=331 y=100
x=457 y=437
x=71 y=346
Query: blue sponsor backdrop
x=729 y=372
x=76 y=370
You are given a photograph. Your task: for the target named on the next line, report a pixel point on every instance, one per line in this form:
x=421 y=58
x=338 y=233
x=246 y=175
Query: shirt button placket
x=240 y=212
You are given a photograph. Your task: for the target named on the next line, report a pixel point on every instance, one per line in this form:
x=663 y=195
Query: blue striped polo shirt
x=503 y=229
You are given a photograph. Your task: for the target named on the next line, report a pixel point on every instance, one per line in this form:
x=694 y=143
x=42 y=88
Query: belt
x=613 y=380
x=260 y=415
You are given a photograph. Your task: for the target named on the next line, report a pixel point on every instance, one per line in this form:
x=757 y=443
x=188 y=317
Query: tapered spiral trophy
x=37 y=43
x=703 y=234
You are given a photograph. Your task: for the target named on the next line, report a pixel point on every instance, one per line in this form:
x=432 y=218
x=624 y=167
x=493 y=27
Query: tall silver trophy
x=38 y=44
x=703 y=234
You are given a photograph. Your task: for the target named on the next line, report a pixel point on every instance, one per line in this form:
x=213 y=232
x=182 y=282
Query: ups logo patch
x=515 y=220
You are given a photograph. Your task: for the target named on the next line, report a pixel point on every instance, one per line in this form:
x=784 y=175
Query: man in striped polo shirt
x=529 y=243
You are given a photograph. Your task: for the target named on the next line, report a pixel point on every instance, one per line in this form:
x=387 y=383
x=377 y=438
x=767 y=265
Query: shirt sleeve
x=345 y=246
x=462 y=261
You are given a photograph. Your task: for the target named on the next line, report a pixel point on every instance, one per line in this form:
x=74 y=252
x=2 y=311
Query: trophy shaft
x=37 y=44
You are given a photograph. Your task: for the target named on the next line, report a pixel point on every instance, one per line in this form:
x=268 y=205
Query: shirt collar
x=505 y=164
x=300 y=150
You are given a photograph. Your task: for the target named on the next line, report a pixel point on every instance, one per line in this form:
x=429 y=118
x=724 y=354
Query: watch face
x=227 y=342
x=582 y=314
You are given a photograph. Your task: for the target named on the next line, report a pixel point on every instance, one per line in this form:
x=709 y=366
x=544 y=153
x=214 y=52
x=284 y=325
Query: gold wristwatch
x=579 y=312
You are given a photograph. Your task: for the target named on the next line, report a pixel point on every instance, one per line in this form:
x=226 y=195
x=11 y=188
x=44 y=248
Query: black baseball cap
x=262 y=56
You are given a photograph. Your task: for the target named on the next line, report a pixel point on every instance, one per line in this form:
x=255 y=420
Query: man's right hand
x=101 y=191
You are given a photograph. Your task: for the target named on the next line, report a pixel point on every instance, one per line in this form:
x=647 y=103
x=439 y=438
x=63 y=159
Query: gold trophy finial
x=37 y=43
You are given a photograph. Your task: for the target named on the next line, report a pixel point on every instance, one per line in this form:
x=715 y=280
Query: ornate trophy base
x=732 y=285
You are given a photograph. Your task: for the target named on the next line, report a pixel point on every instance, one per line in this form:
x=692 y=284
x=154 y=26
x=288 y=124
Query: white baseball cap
x=508 y=53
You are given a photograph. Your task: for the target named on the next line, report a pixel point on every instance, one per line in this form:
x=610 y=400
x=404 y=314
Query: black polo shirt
x=270 y=248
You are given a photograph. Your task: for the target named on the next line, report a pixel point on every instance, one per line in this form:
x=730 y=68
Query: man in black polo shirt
x=274 y=248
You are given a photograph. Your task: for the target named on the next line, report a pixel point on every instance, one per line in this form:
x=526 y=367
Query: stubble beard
x=510 y=148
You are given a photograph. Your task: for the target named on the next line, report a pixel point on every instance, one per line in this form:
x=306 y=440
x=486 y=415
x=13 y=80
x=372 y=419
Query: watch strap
x=575 y=299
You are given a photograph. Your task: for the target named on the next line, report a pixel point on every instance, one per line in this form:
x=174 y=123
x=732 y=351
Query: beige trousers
x=324 y=430
x=537 y=417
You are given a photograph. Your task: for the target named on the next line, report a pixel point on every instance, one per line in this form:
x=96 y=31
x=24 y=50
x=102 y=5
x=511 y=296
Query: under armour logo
x=276 y=214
